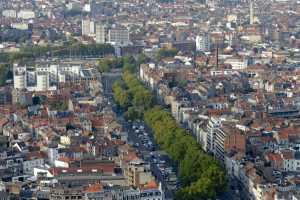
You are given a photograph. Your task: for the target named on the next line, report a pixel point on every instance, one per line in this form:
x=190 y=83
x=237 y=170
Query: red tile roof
x=97 y=187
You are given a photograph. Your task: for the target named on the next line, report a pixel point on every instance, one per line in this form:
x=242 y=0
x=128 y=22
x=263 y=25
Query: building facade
x=118 y=36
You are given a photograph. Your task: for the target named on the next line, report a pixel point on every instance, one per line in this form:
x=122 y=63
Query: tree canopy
x=127 y=63
x=4 y=73
x=65 y=50
x=166 y=52
x=132 y=96
x=201 y=176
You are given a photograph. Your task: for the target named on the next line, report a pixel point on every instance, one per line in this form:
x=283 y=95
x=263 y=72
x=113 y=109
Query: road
x=108 y=80
x=141 y=138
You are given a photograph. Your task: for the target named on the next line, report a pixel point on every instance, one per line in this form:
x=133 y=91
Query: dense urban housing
x=149 y=99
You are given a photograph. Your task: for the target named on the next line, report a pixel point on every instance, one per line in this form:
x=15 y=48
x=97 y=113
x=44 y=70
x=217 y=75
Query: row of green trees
x=4 y=73
x=127 y=63
x=166 y=52
x=66 y=50
x=14 y=35
x=83 y=50
x=132 y=96
x=201 y=175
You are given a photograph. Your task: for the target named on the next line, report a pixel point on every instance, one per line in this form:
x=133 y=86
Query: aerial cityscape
x=149 y=100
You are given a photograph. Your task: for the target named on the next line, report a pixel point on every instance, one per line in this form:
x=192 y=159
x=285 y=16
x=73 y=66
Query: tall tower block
x=251 y=12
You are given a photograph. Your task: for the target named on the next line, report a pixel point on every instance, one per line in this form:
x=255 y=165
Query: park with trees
x=30 y=53
x=126 y=63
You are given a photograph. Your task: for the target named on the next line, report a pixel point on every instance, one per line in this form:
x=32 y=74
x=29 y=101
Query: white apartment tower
x=251 y=12
x=42 y=81
x=26 y=14
x=9 y=13
x=87 y=27
x=20 y=81
x=118 y=36
x=100 y=34
x=203 y=42
x=45 y=77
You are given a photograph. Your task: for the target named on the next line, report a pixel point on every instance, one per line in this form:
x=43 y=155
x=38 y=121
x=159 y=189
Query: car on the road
x=145 y=138
x=162 y=162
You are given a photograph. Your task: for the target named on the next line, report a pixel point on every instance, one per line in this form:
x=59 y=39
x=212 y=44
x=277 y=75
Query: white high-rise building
x=100 y=34
x=203 y=42
x=237 y=63
x=9 y=13
x=42 y=81
x=87 y=7
x=46 y=77
x=251 y=12
x=20 y=81
x=20 y=26
x=52 y=69
x=26 y=14
x=52 y=154
x=87 y=27
x=118 y=36
x=92 y=28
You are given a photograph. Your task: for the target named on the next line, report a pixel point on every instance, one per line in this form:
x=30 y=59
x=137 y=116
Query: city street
x=141 y=138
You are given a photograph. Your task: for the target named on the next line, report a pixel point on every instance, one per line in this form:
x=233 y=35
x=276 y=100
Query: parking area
x=141 y=138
